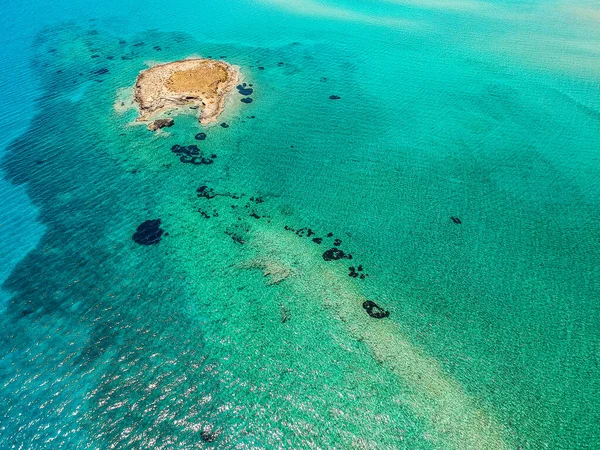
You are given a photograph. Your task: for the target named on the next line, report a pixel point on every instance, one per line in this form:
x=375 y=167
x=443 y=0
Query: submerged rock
x=208 y=435
x=160 y=123
x=200 y=136
x=206 y=192
x=456 y=220
x=334 y=97
x=246 y=100
x=334 y=254
x=191 y=154
x=244 y=90
x=148 y=232
x=374 y=310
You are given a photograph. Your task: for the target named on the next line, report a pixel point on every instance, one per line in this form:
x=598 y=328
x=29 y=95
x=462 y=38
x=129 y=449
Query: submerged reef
x=191 y=154
x=375 y=310
x=148 y=232
x=243 y=89
x=334 y=254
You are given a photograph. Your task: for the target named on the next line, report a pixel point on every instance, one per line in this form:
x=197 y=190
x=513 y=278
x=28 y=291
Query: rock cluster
x=191 y=154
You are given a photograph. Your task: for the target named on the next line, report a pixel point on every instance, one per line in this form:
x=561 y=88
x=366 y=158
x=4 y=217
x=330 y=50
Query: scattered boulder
x=200 y=136
x=160 y=123
x=374 y=310
x=246 y=100
x=334 y=97
x=148 y=232
x=456 y=220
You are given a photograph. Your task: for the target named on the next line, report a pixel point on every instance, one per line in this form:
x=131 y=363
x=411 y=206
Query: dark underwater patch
x=335 y=254
x=375 y=310
x=191 y=154
x=243 y=89
x=148 y=232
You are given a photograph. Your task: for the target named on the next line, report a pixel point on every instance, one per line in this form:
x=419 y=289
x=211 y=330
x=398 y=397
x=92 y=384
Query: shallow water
x=233 y=331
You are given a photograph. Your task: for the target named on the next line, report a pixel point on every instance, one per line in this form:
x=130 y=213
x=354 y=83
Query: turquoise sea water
x=484 y=111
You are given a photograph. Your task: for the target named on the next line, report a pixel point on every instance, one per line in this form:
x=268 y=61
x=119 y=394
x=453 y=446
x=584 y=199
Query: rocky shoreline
x=192 y=83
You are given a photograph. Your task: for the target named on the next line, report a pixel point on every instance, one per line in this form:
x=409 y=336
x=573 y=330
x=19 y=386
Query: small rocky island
x=191 y=83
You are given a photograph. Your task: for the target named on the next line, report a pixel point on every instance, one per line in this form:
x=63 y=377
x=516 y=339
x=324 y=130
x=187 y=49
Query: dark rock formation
x=200 y=136
x=206 y=192
x=374 y=310
x=244 y=90
x=334 y=254
x=148 y=232
x=101 y=71
x=334 y=97
x=160 y=123
x=224 y=125
x=305 y=232
x=208 y=436
x=317 y=240
x=192 y=155
x=354 y=272
x=285 y=313
x=456 y=220
x=246 y=100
